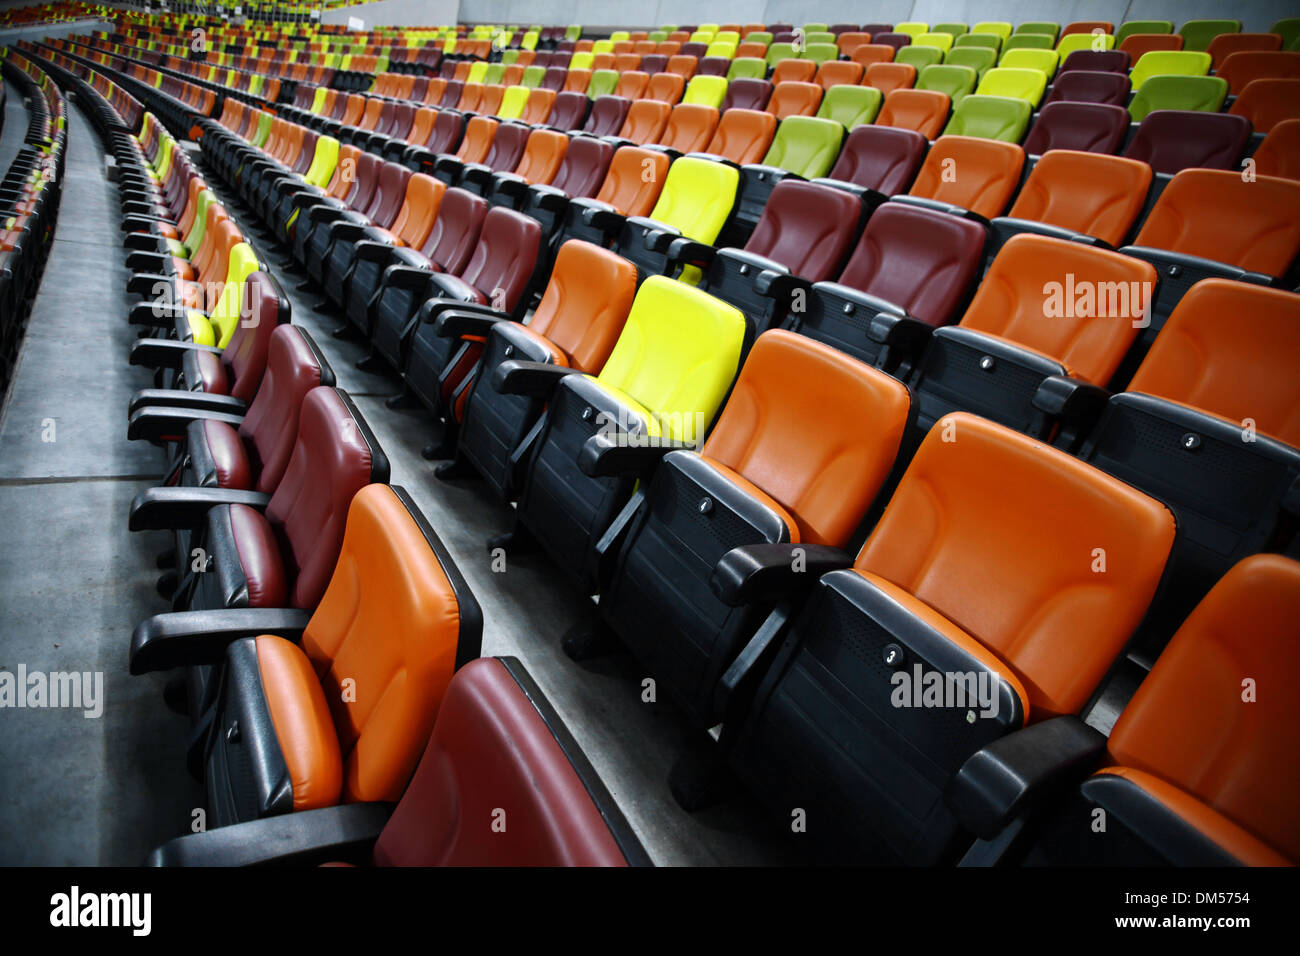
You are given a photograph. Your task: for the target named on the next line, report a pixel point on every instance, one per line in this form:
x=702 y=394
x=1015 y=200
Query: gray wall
x=1255 y=14
x=397 y=13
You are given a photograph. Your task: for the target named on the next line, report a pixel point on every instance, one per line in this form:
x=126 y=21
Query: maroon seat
x=896 y=40
x=553 y=78
x=451 y=93
x=696 y=50
x=607 y=115
x=713 y=66
x=343 y=233
x=444 y=138
x=747 y=93
x=1091 y=86
x=1099 y=61
x=910 y=262
x=1088 y=127
x=1173 y=140
x=580 y=175
x=569 y=112
x=883 y=159
x=653 y=63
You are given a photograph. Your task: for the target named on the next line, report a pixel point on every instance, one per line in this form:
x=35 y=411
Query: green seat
x=1165 y=92
x=979 y=41
x=1084 y=41
x=579 y=61
x=804 y=145
x=821 y=52
x=953 y=29
x=657 y=36
x=1015 y=83
x=602 y=83
x=477 y=71
x=1130 y=27
x=1168 y=63
x=619 y=36
x=746 y=67
x=760 y=36
x=941 y=40
x=704 y=90
x=1030 y=41
x=533 y=76
x=777 y=52
x=978 y=58
x=697 y=197
x=529 y=42
x=956 y=81
x=573 y=32
x=1288 y=29
x=513 y=102
x=998 y=28
x=852 y=106
x=913 y=28
x=818 y=36
x=1197 y=34
x=816 y=28
x=990 y=117
x=1042 y=60
x=494 y=73
x=919 y=56
x=1040 y=26
x=509 y=57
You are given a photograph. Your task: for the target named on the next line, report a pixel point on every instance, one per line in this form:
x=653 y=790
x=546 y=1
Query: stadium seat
x=805 y=146
x=1138 y=45
x=871 y=53
x=850 y=106
x=747 y=94
x=1279 y=153
x=1266 y=103
x=979 y=59
x=631 y=187
x=1227 y=44
x=1185 y=63
x=1198 y=34
x=742 y=135
x=1014 y=83
x=888 y=77
x=918 y=57
x=1090 y=127
x=990 y=172
x=791 y=98
x=1170 y=92
x=1129 y=27
x=923 y=111
x=956 y=81
x=1101 y=61
x=1090 y=86
x=990 y=117
x=878 y=162
x=1170 y=141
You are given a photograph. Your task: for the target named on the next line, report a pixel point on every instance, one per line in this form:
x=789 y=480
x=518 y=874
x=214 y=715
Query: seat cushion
x=205 y=372
x=245 y=568
x=218 y=458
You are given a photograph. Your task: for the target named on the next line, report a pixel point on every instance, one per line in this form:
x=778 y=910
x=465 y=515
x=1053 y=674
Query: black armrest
x=408 y=278
x=200 y=637
x=516 y=377
x=162 y=509
x=145 y=261
x=687 y=251
x=951 y=209
x=159 y=423
x=1074 y=403
x=454 y=323
x=763 y=572
x=348 y=230
x=144 y=242
x=131 y=221
x=342 y=834
x=1001 y=780
x=779 y=285
x=510 y=185
x=602 y=456
x=156 y=313
x=602 y=217
x=153 y=285
x=658 y=237
x=186 y=399
x=165 y=353
x=373 y=250
x=547 y=198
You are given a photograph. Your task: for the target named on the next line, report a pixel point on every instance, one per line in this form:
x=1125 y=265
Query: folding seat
x=492 y=709
x=1101 y=61
x=398 y=617
x=1240 y=69
x=1138 y=45
x=1181 y=63
x=1221 y=803
x=507 y=145
x=569 y=112
x=850 y=40
x=990 y=117
x=955 y=81
x=980 y=39
x=442 y=132
x=533 y=76
x=1028 y=41
x=743 y=136
x=877 y=162
x=1019 y=663
x=602 y=83
x=1278 y=154
x=1085 y=197
x=1013 y=83
x=850 y=106
x=912 y=29
x=790 y=98
x=820 y=53
x=645 y=122
x=537 y=110
x=888 y=77
x=555 y=78
x=1045 y=61
x=1090 y=86
x=690 y=128
x=779 y=52
x=1087 y=127
x=745 y=67
x=990 y=172
x=706 y=91
x=1200 y=385
x=632 y=84
x=1226 y=44
x=513 y=102
x=667 y=87
x=872 y=53
x=1288 y=29
x=311 y=237
x=938 y=39
x=1198 y=34
x=541 y=161
x=836 y=72
x=923 y=111
x=1170 y=141
x=794 y=71
x=975 y=58
x=805 y=146
x=764 y=469
x=1267 y=103
x=1129 y=27
x=663 y=382
x=714 y=66
x=918 y=57
x=682 y=65
x=747 y=94
x=606 y=116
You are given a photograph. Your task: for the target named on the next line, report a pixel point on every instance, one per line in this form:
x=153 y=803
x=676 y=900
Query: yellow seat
x=1015 y=83
x=513 y=102
x=1045 y=61
x=706 y=91
x=1169 y=63
x=217 y=328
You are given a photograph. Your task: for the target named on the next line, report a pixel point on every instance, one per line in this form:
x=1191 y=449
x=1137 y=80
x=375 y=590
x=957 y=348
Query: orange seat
x=538 y=108
x=690 y=127
x=683 y=66
x=542 y=156
x=794 y=99
x=794 y=71
x=1088 y=193
x=1267 y=102
x=480 y=131
x=888 y=77
x=925 y=111
x=632 y=85
x=835 y=72
x=1244 y=67
x=869 y=53
x=645 y=122
x=635 y=179
x=743 y=136
x=667 y=87
x=1226 y=44
x=1279 y=154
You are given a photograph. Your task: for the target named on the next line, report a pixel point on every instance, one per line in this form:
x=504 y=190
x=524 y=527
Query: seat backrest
x=850 y=106
x=419 y=210
x=1279 y=154
x=1170 y=92
x=706 y=91
x=455 y=232
x=1079 y=305
x=677 y=355
x=867 y=54
x=635 y=180
x=956 y=81
x=1168 y=63
x=390 y=191
x=883 y=158
x=923 y=111
x=585 y=305
x=542 y=156
x=1173 y=140
x=1130 y=27
x=807 y=228
x=1090 y=86
x=1007 y=515
x=497 y=742
x=1198 y=34
x=366 y=181
x=1239 y=370
x=697 y=197
x=645 y=122
x=805 y=145
x=1096 y=195
x=1217 y=215
x=1266 y=103
x=570 y=111
x=1188 y=724
x=632 y=84
x=1088 y=127
x=978 y=58
x=1242 y=68
x=990 y=117
x=743 y=135
x=778 y=432
x=745 y=68
x=888 y=77
x=747 y=94
x=334 y=456
x=480 y=133
x=584 y=166
x=794 y=71
x=667 y=87
x=690 y=127
x=918 y=259
x=293 y=368
x=505 y=258
x=397 y=618
x=990 y=171
x=1100 y=61
x=606 y=116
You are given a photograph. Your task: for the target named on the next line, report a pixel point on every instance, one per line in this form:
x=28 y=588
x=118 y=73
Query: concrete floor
x=75 y=582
